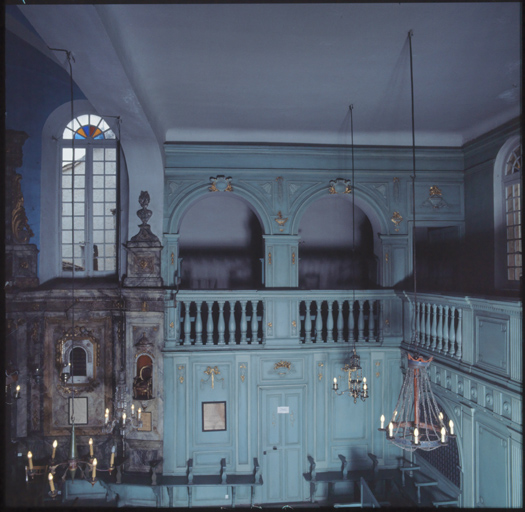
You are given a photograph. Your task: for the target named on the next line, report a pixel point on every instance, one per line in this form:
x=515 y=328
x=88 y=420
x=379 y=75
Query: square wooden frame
x=213 y=416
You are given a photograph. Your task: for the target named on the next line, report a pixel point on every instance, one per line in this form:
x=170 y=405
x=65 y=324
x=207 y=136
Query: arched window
x=507 y=215
x=88 y=185
x=78 y=362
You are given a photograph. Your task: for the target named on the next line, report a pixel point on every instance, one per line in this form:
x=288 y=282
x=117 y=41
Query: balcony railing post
x=198 y=323
x=440 y=329
x=330 y=323
x=421 y=323
x=307 y=323
x=254 y=323
x=434 y=327
x=187 y=323
x=452 y=331
x=209 y=323
x=244 y=324
x=445 y=328
x=380 y=338
x=221 y=326
x=339 y=323
x=370 y=320
x=361 y=321
x=351 y=321
x=232 y=327
x=427 y=325
x=318 y=322
x=459 y=335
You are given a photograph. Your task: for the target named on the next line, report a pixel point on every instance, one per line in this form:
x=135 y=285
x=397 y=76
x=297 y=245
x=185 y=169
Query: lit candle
x=395 y=414
x=140 y=412
x=106 y=416
x=30 y=460
x=364 y=383
x=91 y=447
x=416 y=436
x=112 y=459
x=443 y=434
x=123 y=418
x=440 y=417
x=391 y=429
x=335 y=384
x=451 y=425
x=382 y=420
x=94 y=470
x=133 y=410
x=51 y=484
x=55 y=444
x=17 y=391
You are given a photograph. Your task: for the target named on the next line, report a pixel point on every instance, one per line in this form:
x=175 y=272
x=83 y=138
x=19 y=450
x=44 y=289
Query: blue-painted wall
x=34 y=87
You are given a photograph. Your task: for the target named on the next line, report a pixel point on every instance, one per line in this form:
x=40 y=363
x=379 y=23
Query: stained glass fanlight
x=88 y=127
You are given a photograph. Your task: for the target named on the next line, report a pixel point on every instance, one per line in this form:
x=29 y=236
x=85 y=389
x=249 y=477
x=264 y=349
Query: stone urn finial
x=145 y=234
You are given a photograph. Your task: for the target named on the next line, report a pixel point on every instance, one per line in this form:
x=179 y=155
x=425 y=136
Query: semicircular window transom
x=88 y=127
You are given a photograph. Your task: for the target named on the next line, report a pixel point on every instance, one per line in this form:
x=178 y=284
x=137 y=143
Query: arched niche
x=143 y=380
x=220 y=244
x=330 y=257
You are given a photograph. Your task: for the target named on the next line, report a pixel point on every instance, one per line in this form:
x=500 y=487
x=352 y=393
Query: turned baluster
x=209 y=324
x=440 y=329
x=319 y=322
x=445 y=329
x=254 y=323
x=370 y=320
x=221 y=326
x=433 y=331
x=307 y=323
x=187 y=324
x=339 y=323
x=330 y=322
x=380 y=321
x=351 y=321
x=427 y=326
x=231 y=324
x=361 y=321
x=198 y=324
x=459 y=335
x=452 y=331
x=244 y=324
x=421 y=323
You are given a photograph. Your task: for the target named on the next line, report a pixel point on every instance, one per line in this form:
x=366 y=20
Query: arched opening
x=220 y=245
x=78 y=362
x=330 y=258
x=143 y=381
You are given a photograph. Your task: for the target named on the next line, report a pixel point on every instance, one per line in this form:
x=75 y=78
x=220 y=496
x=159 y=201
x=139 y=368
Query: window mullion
x=89 y=209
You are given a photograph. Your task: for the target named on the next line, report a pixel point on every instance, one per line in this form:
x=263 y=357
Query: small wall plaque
x=146 y=422
x=213 y=416
x=283 y=410
x=80 y=411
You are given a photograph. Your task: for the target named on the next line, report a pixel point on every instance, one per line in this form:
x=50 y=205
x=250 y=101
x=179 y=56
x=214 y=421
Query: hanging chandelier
x=357 y=386
x=416 y=422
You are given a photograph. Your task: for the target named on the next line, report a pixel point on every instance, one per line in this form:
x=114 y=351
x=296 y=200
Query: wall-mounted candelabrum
x=357 y=386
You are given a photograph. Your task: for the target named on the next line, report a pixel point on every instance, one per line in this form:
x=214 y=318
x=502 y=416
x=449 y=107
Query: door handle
x=275 y=447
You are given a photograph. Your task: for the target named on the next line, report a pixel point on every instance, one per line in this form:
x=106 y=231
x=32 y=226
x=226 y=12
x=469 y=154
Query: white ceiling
x=287 y=73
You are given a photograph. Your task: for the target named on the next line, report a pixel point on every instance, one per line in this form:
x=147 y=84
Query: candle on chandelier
x=382 y=421
x=17 y=391
x=112 y=459
x=51 y=484
x=443 y=434
x=416 y=436
x=123 y=418
x=30 y=460
x=391 y=429
x=140 y=412
x=91 y=447
x=55 y=444
x=440 y=417
x=395 y=414
x=335 y=384
x=451 y=425
x=106 y=417
x=94 y=469
x=365 y=387
x=133 y=410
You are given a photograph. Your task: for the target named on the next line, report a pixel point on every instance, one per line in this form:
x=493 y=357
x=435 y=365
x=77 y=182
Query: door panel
x=282 y=444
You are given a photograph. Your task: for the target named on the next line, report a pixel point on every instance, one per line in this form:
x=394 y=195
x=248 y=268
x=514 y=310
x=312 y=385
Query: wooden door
x=281 y=442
